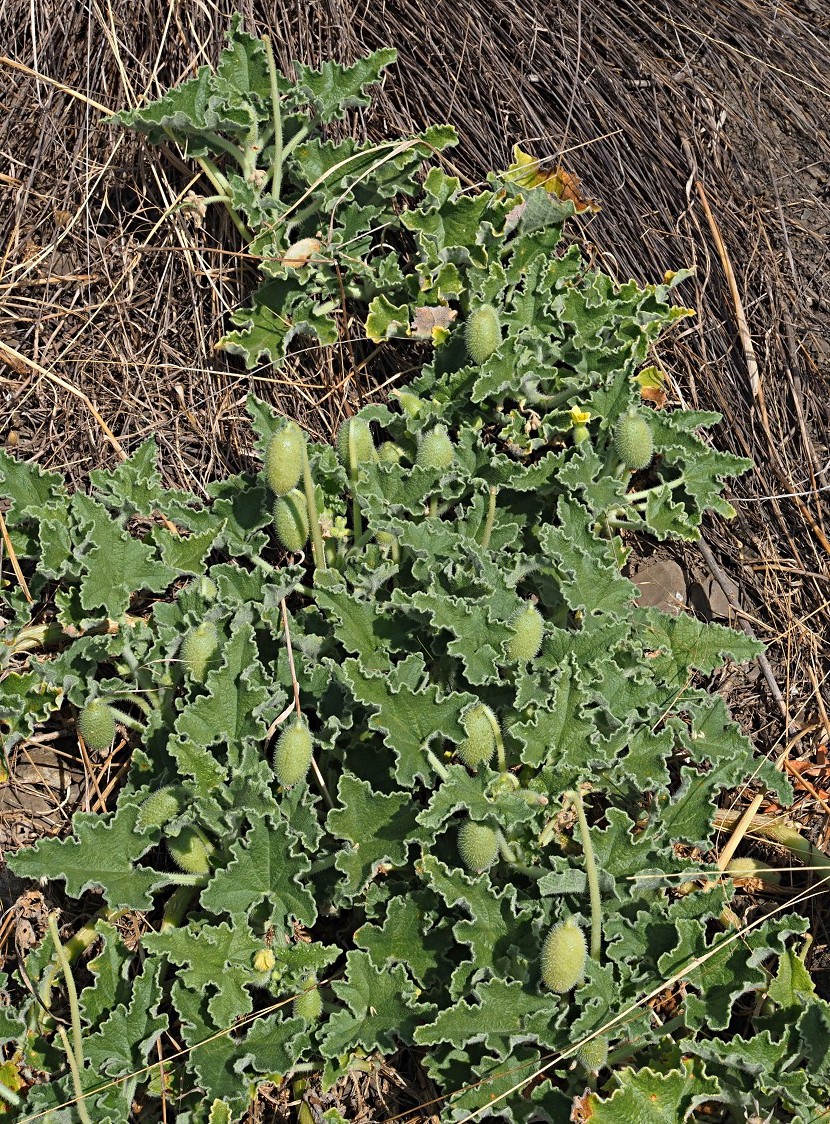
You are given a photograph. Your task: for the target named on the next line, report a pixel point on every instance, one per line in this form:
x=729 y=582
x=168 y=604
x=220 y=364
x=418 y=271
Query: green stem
x=71 y=992
x=313 y=514
x=593 y=875
x=433 y=506
x=634 y=497
x=439 y=768
x=221 y=187
x=505 y=850
x=80 y=1095
x=289 y=146
x=491 y=515
x=79 y=942
x=276 y=115
x=494 y=725
x=354 y=470
x=177 y=906
x=8 y=1096
x=325 y=863
x=623 y=525
x=131 y=697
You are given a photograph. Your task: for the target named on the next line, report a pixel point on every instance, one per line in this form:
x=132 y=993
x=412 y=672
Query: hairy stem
x=80 y=1095
x=593 y=875
x=439 y=768
x=275 y=173
x=71 y=992
x=494 y=725
x=491 y=515
x=313 y=514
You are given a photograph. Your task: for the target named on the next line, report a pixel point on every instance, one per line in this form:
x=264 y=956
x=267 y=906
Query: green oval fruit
x=355 y=445
x=581 y=434
x=593 y=1055
x=746 y=867
x=161 y=807
x=291 y=520
x=308 y=1004
x=284 y=459
x=191 y=850
x=563 y=956
x=528 y=629
x=483 y=333
x=96 y=724
x=435 y=450
x=478 y=845
x=292 y=756
x=633 y=442
x=480 y=743
x=198 y=649
x=390 y=453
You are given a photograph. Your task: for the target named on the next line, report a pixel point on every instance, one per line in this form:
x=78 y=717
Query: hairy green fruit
x=390 y=453
x=478 y=845
x=745 y=867
x=528 y=629
x=198 y=649
x=292 y=756
x=593 y=1055
x=480 y=742
x=96 y=723
x=284 y=459
x=435 y=449
x=355 y=445
x=633 y=442
x=161 y=807
x=563 y=956
x=191 y=850
x=483 y=333
x=308 y=1004
x=291 y=520
x=581 y=434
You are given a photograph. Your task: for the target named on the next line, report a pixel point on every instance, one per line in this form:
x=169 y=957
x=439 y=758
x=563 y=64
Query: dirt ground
x=701 y=130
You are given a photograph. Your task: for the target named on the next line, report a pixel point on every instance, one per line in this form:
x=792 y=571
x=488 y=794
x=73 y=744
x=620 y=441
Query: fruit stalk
x=592 y=873
x=313 y=514
x=71 y=993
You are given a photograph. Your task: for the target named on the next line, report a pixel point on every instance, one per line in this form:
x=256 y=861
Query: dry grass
x=702 y=131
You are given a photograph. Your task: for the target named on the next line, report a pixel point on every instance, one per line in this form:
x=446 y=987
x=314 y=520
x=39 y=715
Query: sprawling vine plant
x=409 y=765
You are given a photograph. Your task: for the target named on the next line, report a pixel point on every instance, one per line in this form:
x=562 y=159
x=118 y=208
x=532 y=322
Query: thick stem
x=80 y=1095
x=71 y=992
x=221 y=187
x=275 y=173
x=440 y=769
x=313 y=514
x=491 y=515
x=593 y=876
x=634 y=497
x=78 y=943
x=496 y=728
